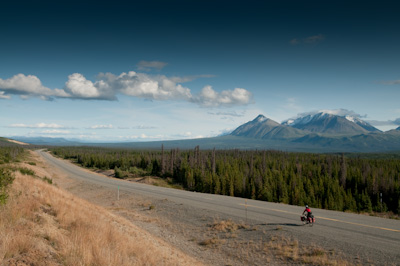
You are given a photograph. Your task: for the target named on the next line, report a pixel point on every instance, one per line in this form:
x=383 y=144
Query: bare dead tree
x=213 y=164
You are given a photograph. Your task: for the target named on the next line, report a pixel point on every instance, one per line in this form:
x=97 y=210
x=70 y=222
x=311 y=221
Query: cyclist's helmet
x=306 y=206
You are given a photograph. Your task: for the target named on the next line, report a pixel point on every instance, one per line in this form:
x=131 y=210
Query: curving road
x=376 y=238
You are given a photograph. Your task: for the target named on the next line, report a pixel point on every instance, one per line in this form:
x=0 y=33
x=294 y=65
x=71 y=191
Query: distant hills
x=320 y=132
x=47 y=141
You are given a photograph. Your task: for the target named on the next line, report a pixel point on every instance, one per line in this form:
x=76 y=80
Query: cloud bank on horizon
x=134 y=84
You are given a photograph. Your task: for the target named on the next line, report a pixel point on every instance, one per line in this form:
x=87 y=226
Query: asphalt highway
x=377 y=238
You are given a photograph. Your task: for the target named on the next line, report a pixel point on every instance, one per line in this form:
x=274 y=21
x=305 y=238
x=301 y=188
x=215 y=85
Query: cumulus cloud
x=79 y=86
x=145 y=86
x=161 y=87
x=308 y=40
x=149 y=65
x=28 y=86
x=107 y=86
x=39 y=125
x=208 y=97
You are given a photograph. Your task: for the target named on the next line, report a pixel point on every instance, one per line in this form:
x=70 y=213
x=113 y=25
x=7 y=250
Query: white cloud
x=144 y=86
x=29 y=86
x=149 y=65
x=2 y=96
x=208 y=97
x=108 y=85
x=79 y=86
x=55 y=131
x=101 y=127
x=39 y=125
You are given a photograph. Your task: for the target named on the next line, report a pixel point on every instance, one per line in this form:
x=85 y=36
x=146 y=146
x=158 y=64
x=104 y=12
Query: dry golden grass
x=44 y=225
x=227 y=226
x=289 y=250
x=212 y=242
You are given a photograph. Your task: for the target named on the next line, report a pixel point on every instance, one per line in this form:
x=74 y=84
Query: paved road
x=377 y=238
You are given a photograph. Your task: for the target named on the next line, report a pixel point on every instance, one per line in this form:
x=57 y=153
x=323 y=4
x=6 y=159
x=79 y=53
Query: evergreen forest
x=329 y=181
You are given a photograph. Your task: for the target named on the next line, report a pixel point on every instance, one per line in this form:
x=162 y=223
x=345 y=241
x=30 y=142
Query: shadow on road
x=283 y=224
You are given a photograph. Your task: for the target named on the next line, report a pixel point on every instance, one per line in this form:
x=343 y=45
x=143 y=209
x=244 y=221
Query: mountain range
x=323 y=122
x=319 y=132
x=320 y=123
x=322 y=131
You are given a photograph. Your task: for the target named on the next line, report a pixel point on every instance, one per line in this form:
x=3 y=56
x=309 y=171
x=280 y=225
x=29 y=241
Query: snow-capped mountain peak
x=307 y=118
x=331 y=121
x=260 y=118
x=350 y=118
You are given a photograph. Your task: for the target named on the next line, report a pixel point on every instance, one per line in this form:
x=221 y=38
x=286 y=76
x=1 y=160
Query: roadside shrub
x=137 y=171
x=26 y=171
x=48 y=180
x=120 y=174
x=6 y=179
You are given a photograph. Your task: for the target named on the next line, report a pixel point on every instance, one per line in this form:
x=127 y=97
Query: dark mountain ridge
x=322 y=132
x=265 y=128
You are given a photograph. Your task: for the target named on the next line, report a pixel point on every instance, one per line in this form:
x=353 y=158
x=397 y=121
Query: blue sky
x=159 y=70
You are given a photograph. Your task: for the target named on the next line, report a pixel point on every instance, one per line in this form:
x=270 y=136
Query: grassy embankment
x=43 y=225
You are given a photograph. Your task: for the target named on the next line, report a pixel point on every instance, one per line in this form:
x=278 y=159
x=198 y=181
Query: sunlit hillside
x=43 y=225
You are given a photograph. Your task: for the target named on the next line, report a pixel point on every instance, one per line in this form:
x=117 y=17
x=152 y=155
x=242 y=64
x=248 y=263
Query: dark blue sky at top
x=248 y=40
x=292 y=56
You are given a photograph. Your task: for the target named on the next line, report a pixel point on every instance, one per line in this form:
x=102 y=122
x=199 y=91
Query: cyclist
x=308 y=211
